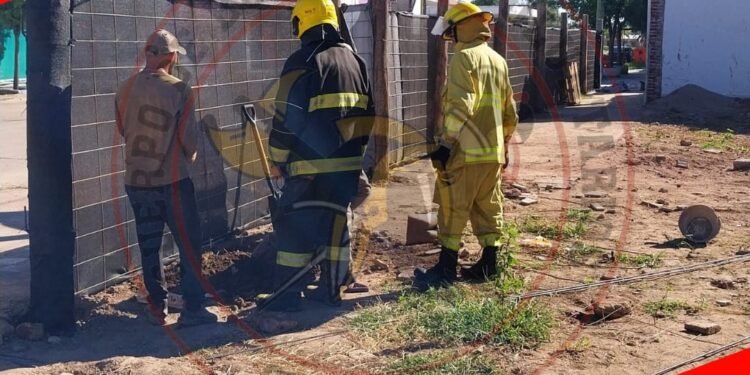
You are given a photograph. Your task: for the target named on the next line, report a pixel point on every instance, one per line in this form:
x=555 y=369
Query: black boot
x=442 y=274
x=279 y=302
x=485 y=268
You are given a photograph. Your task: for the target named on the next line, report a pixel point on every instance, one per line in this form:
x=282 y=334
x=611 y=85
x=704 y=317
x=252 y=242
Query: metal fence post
x=380 y=10
x=438 y=71
x=540 y=45
x=501 y=28
x=584 y=60
x=564 y=39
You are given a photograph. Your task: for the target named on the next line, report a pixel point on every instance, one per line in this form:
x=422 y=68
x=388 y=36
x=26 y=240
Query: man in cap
x=479 y=120
x=322 y=123
x=156 y=117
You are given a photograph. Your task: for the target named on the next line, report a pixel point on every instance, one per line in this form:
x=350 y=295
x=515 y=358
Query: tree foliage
x=11 y=18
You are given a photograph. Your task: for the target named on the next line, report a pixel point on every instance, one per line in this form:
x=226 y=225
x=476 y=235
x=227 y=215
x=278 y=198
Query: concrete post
x=49 y=147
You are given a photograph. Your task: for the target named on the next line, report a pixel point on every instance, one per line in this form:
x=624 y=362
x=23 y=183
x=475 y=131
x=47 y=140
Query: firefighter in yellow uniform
x=479 y=120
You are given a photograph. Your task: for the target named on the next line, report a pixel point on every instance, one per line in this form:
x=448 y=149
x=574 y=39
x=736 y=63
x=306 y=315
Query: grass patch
x=456 y=316
x=641 y=261
x=670 y=307
x=581 y=216
x=470 y=364
x=574 y=227
x=721 y=141
x=726 y=140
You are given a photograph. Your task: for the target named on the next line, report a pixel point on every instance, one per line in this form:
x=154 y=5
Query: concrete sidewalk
x=14 y=241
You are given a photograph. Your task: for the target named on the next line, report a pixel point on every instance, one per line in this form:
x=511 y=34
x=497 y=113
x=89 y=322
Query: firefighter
x=322 y=122
x=479 y=120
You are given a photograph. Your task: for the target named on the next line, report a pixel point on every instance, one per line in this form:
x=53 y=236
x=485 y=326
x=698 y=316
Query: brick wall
x=235 y=53
x=654 y=49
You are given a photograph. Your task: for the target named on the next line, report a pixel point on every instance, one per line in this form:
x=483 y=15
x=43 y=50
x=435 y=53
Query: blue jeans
x=174 y=205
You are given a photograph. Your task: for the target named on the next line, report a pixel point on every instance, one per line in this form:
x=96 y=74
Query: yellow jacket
x=479 y=112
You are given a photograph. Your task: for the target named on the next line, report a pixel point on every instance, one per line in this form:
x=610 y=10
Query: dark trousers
x=174 y=205
x=311 y=224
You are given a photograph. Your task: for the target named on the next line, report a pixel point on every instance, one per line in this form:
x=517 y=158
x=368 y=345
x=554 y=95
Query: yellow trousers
x=469 y=192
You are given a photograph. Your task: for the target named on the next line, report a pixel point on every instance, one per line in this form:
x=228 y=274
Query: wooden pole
x=583 y=68
x=379 y=14
x=438 y=71
x=540 y=43
x=501 y=28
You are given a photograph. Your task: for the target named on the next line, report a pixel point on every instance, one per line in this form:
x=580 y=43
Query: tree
x=11 y=17
x=618 y=14
x=3 y=35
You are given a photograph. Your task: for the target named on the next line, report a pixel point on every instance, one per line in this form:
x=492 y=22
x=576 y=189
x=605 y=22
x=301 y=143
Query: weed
x=721 y=141
x=746 y=309
x=642 y=260
x=509 y=285
x=470 y=364
x=579 y=251
x=581 y=216
x=575 y=227
x=455 y=316
x=580 y=346
x=669 y=308
x=589 y=280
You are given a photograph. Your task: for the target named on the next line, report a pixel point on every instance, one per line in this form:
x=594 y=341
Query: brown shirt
x=156 y=116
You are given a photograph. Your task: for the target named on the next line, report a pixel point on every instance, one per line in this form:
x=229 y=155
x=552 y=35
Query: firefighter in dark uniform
x=323 y=118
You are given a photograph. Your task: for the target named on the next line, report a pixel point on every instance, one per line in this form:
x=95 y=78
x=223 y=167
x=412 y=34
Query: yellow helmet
x=457 y=13
x=309 y=13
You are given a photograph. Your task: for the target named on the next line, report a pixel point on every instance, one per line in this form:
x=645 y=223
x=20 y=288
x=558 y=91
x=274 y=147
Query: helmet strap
x=295 y=27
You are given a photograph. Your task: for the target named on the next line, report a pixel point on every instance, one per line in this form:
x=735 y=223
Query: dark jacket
x=324 y=112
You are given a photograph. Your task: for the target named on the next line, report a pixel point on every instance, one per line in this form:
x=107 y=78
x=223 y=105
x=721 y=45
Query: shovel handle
x=248 y=111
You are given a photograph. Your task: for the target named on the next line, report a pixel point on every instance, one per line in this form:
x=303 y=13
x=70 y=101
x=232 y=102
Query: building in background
x=698 y=42
x=6 y=61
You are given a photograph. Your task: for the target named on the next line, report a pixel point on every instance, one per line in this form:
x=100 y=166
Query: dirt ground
x=601 y=147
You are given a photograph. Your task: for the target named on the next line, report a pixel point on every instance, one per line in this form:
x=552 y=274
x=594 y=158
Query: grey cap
x=162 y=42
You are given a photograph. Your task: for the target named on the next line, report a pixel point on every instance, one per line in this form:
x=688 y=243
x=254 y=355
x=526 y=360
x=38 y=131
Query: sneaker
x=201 y=316
x=155 y=315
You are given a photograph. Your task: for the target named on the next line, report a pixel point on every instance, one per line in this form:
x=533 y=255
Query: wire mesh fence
x=407 y=79
x=234 y=55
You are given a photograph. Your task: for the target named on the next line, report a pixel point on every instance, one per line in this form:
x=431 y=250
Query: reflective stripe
x=278 y=155
x=491 y=101
x=450 y=241
x=295 y=260
x=339 y=100
x=482 y=154
x=354 y=127
x=319 y=166
x=488 y=240
x=338 y=254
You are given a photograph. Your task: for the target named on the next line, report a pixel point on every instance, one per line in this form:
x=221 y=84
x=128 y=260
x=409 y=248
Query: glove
x=440 y=157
